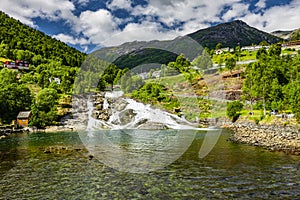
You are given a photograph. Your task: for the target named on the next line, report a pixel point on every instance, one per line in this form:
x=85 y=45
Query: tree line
x=273 y=82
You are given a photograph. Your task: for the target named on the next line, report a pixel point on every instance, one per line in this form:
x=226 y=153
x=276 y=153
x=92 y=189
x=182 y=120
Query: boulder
x=120 y=105
x=126 y=116
x=104 y=115
x=153 y=126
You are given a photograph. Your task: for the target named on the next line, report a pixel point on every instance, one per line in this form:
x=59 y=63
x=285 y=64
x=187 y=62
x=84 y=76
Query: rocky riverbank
x=8 y=131
x=272 y=137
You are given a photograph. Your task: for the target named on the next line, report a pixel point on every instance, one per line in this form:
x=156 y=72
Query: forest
x=34 y=89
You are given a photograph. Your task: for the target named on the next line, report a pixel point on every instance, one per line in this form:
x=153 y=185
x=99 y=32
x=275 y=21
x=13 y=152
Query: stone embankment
x=272 y=137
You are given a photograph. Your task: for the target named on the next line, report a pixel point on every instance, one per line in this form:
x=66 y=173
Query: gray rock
x=120 y=105
x=104 y=115
x=126 y=116
x=153 y=126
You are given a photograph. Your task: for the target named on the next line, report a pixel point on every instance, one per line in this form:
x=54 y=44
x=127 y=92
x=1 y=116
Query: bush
x=233 y=110
x=256 y=120
x=155 y=93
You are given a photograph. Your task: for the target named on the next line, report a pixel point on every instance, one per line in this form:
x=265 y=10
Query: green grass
x=169 y=80
x=247 y=55
x=289 y=51
x=4 y=59
x=268 y=119
x=220 y=58
x=244 y=56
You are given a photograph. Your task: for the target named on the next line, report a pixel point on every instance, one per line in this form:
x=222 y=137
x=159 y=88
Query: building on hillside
x=18 y=64
x=291 y=43
x=226 y=49
x=23 y=118
x=254 y=48
x=56 y=80
x=219 y=51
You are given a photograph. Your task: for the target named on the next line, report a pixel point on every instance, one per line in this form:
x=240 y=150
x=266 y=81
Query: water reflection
x=137 y=151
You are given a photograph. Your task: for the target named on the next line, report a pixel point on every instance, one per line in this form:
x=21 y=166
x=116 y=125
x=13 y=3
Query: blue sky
x=90 y=24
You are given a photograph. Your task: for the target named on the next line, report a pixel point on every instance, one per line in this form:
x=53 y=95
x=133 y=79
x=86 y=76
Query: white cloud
x=119 y=4
x=284 y=17
x=236 y=11
x=70 y=39
x=97 y=26
x=261 y=4
x=82 y=2
x=144 y=31
x=28 y=9
x=192 y=26
x=171 y=12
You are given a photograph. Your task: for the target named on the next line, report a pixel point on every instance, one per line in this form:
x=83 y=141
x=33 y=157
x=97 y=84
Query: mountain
x=231 y=34
x=15 y=36
x=295 y=35
x=132 y=54
x=288 y=35
x=282 y=34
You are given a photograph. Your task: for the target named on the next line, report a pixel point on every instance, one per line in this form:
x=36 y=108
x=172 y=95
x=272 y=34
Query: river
x=29 y=171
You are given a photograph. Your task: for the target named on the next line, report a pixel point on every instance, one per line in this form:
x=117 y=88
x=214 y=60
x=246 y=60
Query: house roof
x=24 y=115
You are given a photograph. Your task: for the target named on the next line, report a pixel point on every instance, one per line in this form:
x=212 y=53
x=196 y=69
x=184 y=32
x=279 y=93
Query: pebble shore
x=272 y=137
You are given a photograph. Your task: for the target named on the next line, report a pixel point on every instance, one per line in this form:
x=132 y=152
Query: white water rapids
x=142 y=112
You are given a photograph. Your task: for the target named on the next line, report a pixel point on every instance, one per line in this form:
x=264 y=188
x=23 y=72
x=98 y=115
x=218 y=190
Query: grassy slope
x=4 y=59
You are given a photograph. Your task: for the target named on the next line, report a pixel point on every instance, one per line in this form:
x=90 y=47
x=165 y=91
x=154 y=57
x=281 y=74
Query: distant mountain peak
x=231 y=34
x=288 y=35
x=238 y=21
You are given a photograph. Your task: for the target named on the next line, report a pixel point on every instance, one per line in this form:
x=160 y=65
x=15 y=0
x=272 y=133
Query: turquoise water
x=58 y=166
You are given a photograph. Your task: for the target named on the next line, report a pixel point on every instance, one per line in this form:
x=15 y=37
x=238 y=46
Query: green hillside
x=144 y=56
x=295 y=35
x=16 y=36
x=288 y=35
x=48 y=80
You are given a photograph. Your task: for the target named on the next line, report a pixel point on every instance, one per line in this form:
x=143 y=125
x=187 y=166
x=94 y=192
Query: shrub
x=233 y=110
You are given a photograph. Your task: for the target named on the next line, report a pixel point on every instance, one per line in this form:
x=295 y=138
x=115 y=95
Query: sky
x=91 y=24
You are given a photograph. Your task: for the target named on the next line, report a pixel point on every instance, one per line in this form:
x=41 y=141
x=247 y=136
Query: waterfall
x=92 y=123
x=135 y=114
x=145 y=112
